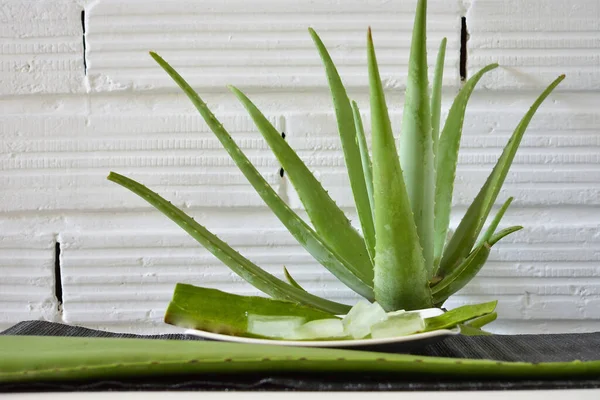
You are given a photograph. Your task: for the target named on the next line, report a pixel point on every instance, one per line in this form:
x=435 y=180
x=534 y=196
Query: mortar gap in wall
x=281 y=171
x=84 y=42
x=58 y=288
x=464 y=38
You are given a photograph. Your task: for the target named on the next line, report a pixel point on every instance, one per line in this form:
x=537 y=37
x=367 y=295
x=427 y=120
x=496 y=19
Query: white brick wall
x=62 y=131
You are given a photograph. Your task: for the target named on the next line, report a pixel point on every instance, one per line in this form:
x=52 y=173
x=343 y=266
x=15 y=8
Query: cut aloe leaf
x=307 y=237
x=348 y=136
x=215 y=311
x=328 y=219
x=467 y=330
x=279 y=327
x=447 y=159
x=483 y=321
x=401 y=279
x=459 y=315
x=357 y=323
x=416 y=144
x=436 y=95
x=470 y=226
x=402 y=324
x=247 y=270
x=321 y=329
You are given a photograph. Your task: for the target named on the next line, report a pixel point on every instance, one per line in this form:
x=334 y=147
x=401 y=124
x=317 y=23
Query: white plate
x=410 y=339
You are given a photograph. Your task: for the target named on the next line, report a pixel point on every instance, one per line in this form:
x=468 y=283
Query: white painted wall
x=63 y=131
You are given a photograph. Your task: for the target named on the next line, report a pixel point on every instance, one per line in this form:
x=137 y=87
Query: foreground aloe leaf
x=251 y=273
x=401 y=279
x=329 y=221
x=470 y=226
x=459 y=315
x=447 y=159
x=309 y=239
x=215 y=311
x=35 y=359
x=416 y=141
x=347 y=130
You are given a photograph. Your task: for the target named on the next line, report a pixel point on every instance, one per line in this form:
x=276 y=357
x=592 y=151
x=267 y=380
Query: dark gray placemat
x=529 y=348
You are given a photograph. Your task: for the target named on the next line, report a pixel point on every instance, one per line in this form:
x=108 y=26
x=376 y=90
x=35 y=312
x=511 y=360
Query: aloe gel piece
x=401 y=324
x=321 y=329
x=274 y=326
x=361 y=317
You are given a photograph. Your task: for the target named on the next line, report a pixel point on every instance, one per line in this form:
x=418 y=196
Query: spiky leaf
x=247 y=270
x=306 y=236
x=368 y=172
x=347 y=130
x=329 y=221
x=447 y=158
x=470 y=226
x=416 y=144
x=436 y=95
x=400 y=274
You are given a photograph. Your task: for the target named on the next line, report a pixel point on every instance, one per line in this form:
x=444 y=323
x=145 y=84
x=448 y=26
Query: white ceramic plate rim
x=430 y=312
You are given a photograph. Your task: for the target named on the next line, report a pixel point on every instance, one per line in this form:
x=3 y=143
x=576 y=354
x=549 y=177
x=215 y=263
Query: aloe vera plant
x=402 y=191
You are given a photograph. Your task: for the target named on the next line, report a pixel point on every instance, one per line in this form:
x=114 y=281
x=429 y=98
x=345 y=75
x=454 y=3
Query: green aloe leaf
x=436 y=95
x=215 y=311
x=291 y=280
x=468 y=269
x=348 y=135
x=459 y=315
x=495 y=222
x=504 y=233
x=307 y=237
x=483 y=321
x=247 y=270
x=467 y=330
x=56 y=359
x=416 y=143
x=447 y=159
x=368 y=172
x=470 y=226
x=400 y=274
x=329 y=221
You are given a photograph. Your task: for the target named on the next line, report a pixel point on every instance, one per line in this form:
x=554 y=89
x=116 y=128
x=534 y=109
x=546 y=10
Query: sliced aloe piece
x=307 y=237
x=329 y=221
x=447 y=159
x=416 y=143
x=436 y=95
x=401 y=279
x=357 y=323
x=467 y=330
x=348 y=135
x=469 y=268
x=331 y=329
x=368 y=172
x=215 y=311
x=398 y=325
x=470 y=226
x=459 y=315
x=280 y=327
x=291 y=280
x=247 y=270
